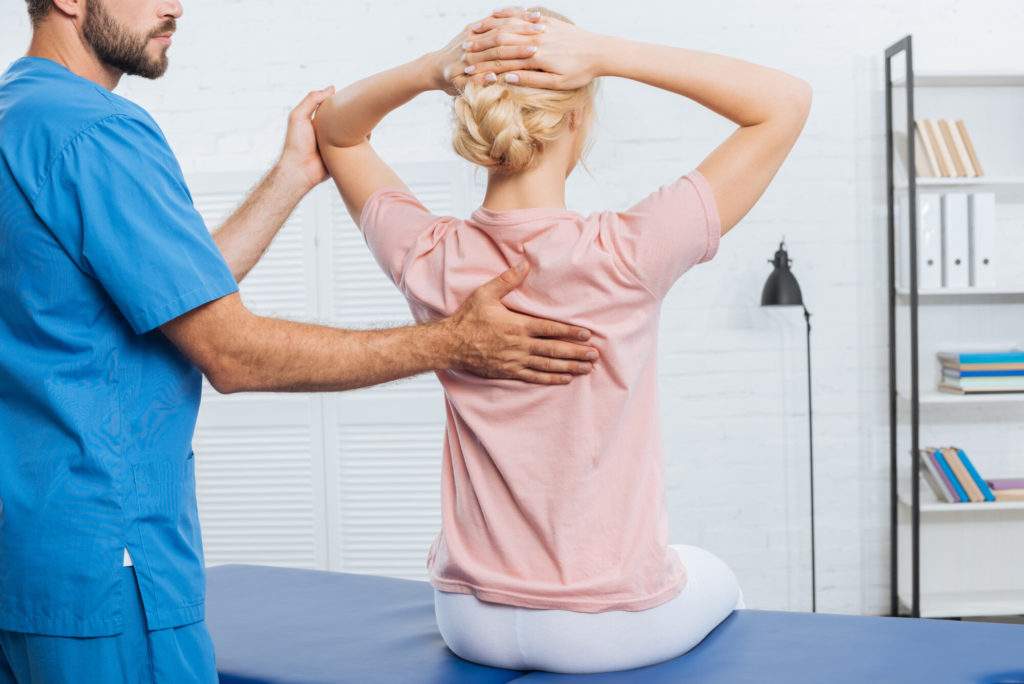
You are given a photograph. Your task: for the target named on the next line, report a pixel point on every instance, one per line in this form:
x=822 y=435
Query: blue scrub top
x=99 y=244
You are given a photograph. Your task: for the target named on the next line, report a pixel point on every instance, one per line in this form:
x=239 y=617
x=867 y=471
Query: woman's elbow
x=799 y=98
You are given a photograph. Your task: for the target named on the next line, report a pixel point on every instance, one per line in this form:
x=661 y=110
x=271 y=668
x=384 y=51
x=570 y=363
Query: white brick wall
x=733 y=386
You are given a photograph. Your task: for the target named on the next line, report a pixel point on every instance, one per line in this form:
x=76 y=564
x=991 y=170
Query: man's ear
x=74 y=9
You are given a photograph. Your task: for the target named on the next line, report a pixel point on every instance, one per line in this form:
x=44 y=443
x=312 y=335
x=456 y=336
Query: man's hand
x=491 y=341
x=300 y=158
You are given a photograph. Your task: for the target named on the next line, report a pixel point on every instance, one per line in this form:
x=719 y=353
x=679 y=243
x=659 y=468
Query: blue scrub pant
x=136 y=656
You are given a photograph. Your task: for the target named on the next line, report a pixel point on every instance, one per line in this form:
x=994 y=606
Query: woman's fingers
x=508 y=23
x=499 y=66
x=503 y=52
x=516 y=11
x=498 y=37
x=533 y=79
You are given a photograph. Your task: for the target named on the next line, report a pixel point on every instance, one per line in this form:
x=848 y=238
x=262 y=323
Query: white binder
x=929 y=242
x=955 y=251
x=981 y=210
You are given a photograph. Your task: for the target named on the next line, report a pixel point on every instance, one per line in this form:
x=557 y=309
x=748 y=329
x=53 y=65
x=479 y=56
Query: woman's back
x=552 y=496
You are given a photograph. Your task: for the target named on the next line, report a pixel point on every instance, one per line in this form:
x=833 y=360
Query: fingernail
x=477 y=27
x=540 y=27
x=533 y=15
x=532 y=49
x=512 y=78
x=467 y=45
x=591 y=355
x=584 y=334
x=522 y=266
x=470 y=69
x=490 y=78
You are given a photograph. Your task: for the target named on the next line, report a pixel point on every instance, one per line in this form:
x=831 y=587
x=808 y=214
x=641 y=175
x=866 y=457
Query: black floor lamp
x=781 y=289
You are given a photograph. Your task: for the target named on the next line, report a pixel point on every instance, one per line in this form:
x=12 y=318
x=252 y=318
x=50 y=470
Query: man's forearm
x=283 y=356
x=245 y=236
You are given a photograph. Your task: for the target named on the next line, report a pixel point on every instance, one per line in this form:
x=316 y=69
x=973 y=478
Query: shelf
x=930 y=397
x=930 y=505
x=962 y=80
x=978 y=180
x=963 y=292
x=929 y=182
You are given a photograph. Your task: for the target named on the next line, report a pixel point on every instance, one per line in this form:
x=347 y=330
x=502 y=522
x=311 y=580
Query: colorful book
x=1012 y=356
x=995 y=383
x=982 y=486
x=966 y=481
x=924 y=156
x=947 y=137
x=1010 y=495
x=1006 y=483
x=988 y=389
x=983 y=366
x=957 y=373
x=960 y=493
x=945 y=491
x=962 y=128
x=990 y=380
x=942 y=155
x=961 y=149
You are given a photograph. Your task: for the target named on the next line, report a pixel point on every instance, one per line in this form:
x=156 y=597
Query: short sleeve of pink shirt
x=666 y=233
x=392 y=220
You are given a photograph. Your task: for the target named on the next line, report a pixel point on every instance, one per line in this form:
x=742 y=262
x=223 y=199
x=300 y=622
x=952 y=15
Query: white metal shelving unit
x=954 y=559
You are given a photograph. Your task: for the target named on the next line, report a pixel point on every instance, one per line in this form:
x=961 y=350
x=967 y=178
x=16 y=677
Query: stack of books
x=986 y=371
x=954 y=479
x=1007 y=489
x=943 y=148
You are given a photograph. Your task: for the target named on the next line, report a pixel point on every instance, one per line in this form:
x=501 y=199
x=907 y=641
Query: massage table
x=290 y=626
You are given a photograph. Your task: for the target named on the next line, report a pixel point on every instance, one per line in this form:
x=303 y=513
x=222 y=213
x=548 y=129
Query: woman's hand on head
x=450 y=69
x=564 y=56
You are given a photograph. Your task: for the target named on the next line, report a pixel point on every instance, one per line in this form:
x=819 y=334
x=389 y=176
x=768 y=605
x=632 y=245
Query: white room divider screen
x=346 y=481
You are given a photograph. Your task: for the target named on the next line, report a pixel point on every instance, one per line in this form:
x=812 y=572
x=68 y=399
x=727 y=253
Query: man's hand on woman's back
x=493 y=342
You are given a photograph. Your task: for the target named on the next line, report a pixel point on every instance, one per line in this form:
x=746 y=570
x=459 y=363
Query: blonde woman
x=553 y=550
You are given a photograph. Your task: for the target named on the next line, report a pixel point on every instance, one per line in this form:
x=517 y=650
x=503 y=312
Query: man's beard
x=118 y=47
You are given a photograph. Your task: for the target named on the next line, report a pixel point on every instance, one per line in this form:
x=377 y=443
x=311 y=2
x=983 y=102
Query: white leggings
x=500 y=635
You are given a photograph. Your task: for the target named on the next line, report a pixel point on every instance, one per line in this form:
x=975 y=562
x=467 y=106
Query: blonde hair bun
x=505 y=127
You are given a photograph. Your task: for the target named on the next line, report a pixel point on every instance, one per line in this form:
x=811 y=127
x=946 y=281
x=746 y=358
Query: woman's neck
x=541 y=186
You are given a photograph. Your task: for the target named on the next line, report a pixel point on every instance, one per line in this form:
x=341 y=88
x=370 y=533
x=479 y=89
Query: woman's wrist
x=429 y=71
x=609 y=55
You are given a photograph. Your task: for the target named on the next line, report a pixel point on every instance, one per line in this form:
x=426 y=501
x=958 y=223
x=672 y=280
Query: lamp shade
x=781 y=288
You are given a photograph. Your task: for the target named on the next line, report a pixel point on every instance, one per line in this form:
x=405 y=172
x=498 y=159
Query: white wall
x=733 y=374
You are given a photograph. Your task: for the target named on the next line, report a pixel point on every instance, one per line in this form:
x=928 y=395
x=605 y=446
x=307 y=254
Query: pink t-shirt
x=552 y=496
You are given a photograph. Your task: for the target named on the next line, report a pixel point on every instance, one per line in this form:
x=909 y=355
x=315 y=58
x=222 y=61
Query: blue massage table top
x=284 y=625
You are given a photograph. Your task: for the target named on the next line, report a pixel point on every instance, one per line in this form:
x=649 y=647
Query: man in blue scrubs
x=114 y=298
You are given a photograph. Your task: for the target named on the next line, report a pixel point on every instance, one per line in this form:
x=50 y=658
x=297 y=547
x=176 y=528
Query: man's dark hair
x=37 y=9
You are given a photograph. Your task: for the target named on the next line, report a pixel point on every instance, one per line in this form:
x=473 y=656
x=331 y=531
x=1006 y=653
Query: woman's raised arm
x=344 y=122
x=769 y=106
